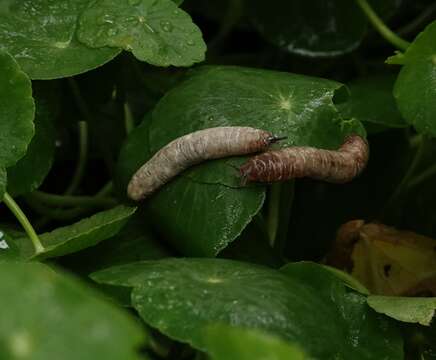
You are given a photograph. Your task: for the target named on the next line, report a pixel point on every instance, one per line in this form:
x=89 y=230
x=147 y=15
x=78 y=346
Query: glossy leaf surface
x=40 y=34
x=157 y=32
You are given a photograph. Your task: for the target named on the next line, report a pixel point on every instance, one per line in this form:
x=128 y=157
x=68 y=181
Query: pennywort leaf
x=157 y=32
x=41 y=35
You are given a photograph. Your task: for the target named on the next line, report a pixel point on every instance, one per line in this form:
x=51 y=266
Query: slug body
x=191 y=149
x=338 y=166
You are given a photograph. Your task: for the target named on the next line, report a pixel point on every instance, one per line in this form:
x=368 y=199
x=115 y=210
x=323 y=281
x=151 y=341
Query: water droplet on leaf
x=112 y=32
x=190 y=42
x=166 y=26
x=105 y=19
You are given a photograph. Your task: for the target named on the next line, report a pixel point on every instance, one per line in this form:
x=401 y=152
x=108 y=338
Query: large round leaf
x=181 y=297
x=203 y=210
x=17 y=110
x=157 y=32
x=52 y=316
x=415 y=89
x=40 y=34
x=312 y=27
x=299 y=107
x=30 y=171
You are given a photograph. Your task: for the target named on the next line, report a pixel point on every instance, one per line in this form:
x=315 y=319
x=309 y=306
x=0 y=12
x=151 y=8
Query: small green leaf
x=83 y=234
x=134 y=242
x=305 y=305
x=225 y=342
x=407 y=309
x=17 y=110
x=371 y=101
x=157 y=32
x=30 y=171
x=49 y=314
x=40 y=34
x=348 y=280
x=415 y=89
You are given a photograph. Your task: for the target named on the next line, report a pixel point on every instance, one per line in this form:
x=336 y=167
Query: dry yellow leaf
x=386 y=260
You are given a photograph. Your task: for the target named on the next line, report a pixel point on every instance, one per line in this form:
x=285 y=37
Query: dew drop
x=190 y=42
x=112 y=32
x=134 y=2
x=105 y=19
x=166 y=26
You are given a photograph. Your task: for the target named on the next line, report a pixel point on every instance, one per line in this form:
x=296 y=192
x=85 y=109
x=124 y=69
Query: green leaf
x=83 y=234
x=352 y=308
x=407 y=309
x=315 y=28
x=415 y=88
x=134 y=242
x=17 y=110
x=30 y=171
x=157 y=32
x=348 y=280
x=299 y=107
x=225 y=342
x=49 y=314
x=40 y=34
x=202 y=219
x=372 y=102
x=310 y=27
x=181 y=297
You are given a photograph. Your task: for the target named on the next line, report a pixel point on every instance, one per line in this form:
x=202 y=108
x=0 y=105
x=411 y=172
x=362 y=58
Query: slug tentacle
x=294 y=162
x=191 y=149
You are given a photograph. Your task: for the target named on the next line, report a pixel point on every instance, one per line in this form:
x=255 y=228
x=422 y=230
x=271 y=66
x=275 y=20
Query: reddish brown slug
x=338 y=166
x=191 y=149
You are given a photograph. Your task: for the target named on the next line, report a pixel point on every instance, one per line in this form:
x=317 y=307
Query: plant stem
x=128 y=118
x=407 y=176
x=82 y=159
x=425 y=175
x=105 y=190
x=380 y=26
x=419 y=21
x=27 y=226
x=69 y=200
x=80 y=101
x=273 y=212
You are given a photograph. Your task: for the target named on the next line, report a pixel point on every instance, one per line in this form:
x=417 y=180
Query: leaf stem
x=128 y=118
x=407 y=176
x=82 y=159
x=425 y=175
x=380 y=26
x=419 y=21
x=22 y=218
x=273 y=212
x=69 y=200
